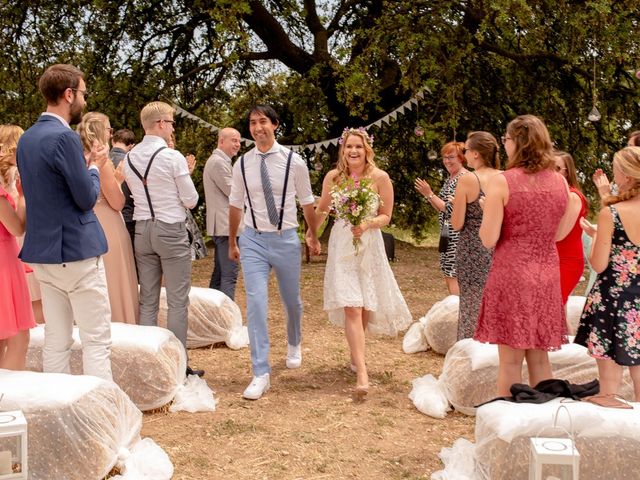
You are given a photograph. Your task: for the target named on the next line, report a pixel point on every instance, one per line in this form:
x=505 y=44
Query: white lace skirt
x=364 y=280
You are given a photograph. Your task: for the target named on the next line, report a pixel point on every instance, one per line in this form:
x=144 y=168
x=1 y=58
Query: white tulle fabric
x=213 y=318
x=148 y=363
x=470 y=372
x=607 y=439
x=364 y=280
x=78 y=425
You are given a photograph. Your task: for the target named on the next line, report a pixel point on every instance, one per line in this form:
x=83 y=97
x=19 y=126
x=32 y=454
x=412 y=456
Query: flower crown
x=348 y=131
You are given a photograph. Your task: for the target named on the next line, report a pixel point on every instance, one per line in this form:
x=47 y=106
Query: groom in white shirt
x=267 y=180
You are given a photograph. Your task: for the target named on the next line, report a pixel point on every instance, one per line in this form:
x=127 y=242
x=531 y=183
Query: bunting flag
x=387 y=119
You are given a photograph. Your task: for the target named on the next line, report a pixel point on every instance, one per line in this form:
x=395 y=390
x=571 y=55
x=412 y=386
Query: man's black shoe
x=191 y=371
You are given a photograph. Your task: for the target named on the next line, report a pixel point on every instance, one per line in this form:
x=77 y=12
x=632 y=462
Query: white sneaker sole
x=292 y=364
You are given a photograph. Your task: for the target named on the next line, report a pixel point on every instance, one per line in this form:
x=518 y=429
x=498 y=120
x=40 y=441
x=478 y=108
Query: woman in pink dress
x=16 y=316
x=525 y=213
x=119 y=265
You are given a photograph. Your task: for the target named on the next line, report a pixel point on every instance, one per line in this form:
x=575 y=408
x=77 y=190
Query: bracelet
x=430 y=196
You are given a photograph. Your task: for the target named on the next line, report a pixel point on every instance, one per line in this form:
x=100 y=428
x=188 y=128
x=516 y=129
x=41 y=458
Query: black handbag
x=443 y=244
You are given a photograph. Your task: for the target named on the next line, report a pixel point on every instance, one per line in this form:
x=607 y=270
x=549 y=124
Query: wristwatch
x=429 y=197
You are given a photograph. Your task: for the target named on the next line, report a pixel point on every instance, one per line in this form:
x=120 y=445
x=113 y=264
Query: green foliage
x=327 y=64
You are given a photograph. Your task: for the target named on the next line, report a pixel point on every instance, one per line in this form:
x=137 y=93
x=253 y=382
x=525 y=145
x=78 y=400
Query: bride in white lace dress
x=360 y=291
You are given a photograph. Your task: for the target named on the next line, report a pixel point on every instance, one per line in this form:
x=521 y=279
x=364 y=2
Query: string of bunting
x=408 y=105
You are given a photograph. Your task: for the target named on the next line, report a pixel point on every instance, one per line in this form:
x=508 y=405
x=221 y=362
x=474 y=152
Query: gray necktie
x=268 y=192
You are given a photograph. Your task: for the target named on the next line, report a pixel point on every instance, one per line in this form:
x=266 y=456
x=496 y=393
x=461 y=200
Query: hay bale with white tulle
x=213 y=318
x=607 y=439
x=77 y=425
x=441 y=324
x=148 y=363
x=470 y=372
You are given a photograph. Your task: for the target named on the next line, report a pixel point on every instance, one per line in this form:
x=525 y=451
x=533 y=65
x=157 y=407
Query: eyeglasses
x=166 y=121
x=85 y=93
x=465 y=150
x=504 y=139
x=450 y=157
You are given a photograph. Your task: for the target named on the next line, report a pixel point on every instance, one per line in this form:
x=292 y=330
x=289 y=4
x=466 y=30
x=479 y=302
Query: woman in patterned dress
x=610 y=323
x=453 y=160
x=473 y=259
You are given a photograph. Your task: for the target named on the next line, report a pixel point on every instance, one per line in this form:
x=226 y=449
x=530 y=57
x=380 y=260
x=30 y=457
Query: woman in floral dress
x=610 y=323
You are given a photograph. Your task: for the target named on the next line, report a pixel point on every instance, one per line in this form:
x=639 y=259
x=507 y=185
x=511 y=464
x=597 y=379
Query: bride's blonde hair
x=92 y=127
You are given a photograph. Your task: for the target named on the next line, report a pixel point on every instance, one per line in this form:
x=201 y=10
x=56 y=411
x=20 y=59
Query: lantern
x=13 y=445
x=553 y=451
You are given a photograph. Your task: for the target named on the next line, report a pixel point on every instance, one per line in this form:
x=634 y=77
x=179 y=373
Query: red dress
x=521 y=303
x=15 y=303
x=571 y=254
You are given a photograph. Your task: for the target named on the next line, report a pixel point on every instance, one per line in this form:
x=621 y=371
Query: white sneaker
x=294 y=356
x=257 y=387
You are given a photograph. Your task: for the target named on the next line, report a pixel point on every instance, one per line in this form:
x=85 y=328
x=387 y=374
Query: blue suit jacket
x=60 y=194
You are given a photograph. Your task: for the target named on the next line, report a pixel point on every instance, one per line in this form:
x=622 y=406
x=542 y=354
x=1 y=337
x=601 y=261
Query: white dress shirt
x=299 y=186
x=170 y=186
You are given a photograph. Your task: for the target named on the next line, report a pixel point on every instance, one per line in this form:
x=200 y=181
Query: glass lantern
x=553 y=459
x=13 y=445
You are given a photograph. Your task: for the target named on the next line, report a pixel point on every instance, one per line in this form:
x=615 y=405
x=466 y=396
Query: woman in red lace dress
x=525 y=213
x=570 y=247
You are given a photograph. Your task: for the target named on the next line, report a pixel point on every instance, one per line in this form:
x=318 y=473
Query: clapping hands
x=99 y=154
x=588 y=227
x=423 y=187
x=601 y=182
x=191 y=163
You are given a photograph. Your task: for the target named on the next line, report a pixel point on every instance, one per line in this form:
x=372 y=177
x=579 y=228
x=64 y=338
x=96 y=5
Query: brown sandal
x=609 y=401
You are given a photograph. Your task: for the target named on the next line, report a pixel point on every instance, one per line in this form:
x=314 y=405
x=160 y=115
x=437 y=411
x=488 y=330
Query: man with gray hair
x=160 y=182
x=217 y=187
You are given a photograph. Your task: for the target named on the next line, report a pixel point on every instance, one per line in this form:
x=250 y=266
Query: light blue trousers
x=259 y=252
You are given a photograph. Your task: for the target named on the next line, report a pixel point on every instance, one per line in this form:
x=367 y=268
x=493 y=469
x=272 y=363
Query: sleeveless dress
x=571 y=254
x=610 y=322
x=522 y=304
x=473 y=261
x=363 y=280
x=448 y=257
x=119 y=265
x=15 y=304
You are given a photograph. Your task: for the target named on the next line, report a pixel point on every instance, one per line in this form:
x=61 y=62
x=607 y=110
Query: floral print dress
x=610 y=323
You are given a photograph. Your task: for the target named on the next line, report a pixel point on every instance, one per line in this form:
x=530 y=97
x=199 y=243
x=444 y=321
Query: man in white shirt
x=161 y=185
x=216 y=180
x=267 y=180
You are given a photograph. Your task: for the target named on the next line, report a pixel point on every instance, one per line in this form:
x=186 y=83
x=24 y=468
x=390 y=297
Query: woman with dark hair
x=453 y=160
x=525 y=213
x=473 y=260
x=570 y=247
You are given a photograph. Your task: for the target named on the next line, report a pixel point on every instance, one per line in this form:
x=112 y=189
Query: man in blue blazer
x=64 y=240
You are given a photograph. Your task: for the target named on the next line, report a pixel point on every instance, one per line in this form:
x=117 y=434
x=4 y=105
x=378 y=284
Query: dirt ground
x=307 y=426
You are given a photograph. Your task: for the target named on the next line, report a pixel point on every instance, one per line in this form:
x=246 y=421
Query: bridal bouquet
x=354 y=200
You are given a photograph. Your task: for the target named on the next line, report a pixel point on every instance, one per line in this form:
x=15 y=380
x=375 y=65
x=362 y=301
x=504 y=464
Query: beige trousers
x=76 y=291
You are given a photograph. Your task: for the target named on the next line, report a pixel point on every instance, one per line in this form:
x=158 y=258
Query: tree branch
x=263 y=24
